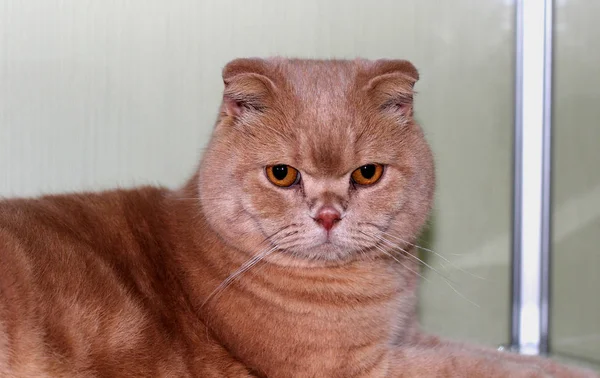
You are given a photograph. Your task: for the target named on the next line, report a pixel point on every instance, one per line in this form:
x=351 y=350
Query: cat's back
x=62 y=231
x=82 y=283
x=102 y=220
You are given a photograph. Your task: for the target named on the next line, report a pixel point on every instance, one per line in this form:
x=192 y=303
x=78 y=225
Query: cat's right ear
x=390 y=83
x=247 y=87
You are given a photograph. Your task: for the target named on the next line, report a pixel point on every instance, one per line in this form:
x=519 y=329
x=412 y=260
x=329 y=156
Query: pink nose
x=327 y=217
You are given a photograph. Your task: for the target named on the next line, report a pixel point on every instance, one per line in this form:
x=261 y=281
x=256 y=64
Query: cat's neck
x=313 y=314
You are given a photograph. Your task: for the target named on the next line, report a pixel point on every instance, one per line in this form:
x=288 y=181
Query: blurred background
x=97 y=94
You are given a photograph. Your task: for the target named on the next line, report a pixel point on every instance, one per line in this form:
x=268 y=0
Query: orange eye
x=283 y=175
x=368 y=174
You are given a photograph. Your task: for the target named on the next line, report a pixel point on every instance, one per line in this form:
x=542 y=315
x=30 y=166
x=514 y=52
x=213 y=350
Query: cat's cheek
x=228 y=216
x=267 y=201
x=274 y=208
x=240 y=231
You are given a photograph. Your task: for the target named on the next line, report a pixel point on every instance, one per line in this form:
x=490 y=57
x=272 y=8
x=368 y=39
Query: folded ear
x=389 y=84
x=248 y=87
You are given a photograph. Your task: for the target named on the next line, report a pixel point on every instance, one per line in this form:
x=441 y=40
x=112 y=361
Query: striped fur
x=230 y=276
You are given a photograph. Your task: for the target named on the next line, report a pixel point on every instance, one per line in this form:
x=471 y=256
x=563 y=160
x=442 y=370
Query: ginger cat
x=279 y=258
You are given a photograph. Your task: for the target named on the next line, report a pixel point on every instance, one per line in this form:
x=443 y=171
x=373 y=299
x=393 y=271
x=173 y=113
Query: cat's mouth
x=305 y=239
x=320 y=245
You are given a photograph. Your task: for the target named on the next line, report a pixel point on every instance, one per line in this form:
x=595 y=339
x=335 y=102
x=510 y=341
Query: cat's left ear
x=248 y=87
x=390 y=83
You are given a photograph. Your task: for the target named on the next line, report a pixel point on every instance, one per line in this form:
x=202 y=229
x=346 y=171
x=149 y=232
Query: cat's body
x=141 y=310
x=243 y=272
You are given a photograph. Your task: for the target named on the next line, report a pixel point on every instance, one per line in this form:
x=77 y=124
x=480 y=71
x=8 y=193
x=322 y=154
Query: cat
x=278 y=258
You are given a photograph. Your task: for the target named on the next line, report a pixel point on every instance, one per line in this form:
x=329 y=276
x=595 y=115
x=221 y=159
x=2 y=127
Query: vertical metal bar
x=517 y=173
x=531 y=228
x=547 y=178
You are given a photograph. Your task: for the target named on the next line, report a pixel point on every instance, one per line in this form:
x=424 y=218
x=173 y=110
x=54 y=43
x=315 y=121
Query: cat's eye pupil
x=368 y=171
x=280 y=171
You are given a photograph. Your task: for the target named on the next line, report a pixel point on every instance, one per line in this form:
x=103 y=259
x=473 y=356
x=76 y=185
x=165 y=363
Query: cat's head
x=317 y=160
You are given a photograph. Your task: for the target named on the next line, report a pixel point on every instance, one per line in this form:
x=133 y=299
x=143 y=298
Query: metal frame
x=532 y=174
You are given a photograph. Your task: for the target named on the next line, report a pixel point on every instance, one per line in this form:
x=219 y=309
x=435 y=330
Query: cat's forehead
x=325 y=120
x=322 y=82
x=324 y=114
x=325 y=152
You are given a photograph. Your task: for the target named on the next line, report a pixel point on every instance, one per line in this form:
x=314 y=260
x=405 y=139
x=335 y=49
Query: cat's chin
x=323 y=255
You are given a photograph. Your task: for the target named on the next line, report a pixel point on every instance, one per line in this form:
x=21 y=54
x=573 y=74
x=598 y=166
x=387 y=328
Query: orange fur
x=145 y=282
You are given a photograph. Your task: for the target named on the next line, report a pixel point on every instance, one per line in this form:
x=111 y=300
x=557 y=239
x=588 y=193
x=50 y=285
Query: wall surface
x=95 y=94
x=575 y=306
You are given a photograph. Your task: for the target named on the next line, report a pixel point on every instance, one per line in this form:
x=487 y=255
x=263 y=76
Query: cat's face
x=317 y=160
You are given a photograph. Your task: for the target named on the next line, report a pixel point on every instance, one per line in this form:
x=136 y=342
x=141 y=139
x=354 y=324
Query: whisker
x=446 y=280
x=435 y=253
x=391 y=244
x=400 y=262
x=291 y=233
x=241 y=270
x=268 y=237
x=374 y=238
x=416 y=246
x=363 y=252
x=288 y=243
